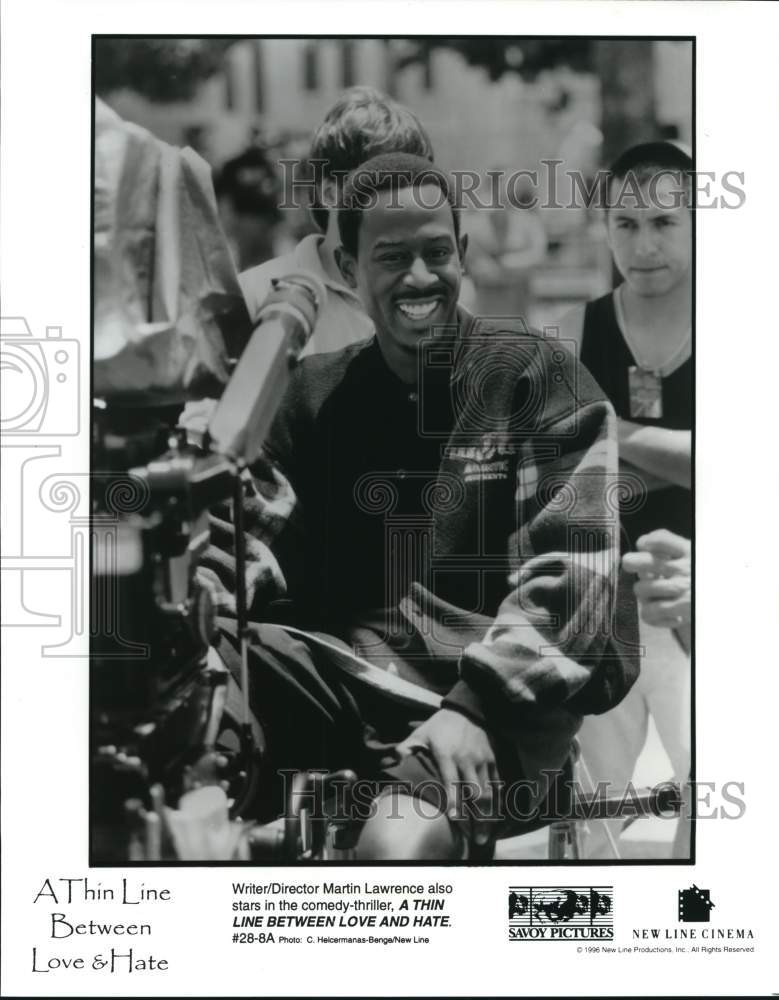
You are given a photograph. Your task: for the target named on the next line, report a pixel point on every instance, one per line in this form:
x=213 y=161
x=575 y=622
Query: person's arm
x=551 y=631
x=651 y=457
x=657 y=450
x=557 y=622
x=637 y=481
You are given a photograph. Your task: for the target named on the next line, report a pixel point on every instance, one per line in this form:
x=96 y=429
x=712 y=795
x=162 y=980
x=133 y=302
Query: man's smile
x=417 y=308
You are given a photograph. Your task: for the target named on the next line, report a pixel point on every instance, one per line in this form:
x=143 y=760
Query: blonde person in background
x=361 y=124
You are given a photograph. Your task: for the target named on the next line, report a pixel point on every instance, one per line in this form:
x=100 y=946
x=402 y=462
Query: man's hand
x=462 y=753
x=662 y=564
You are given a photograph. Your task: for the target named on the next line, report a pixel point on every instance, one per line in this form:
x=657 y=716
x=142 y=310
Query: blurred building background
x=487 y=103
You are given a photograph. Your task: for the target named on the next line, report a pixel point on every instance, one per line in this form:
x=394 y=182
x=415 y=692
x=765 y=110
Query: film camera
x=176 y=753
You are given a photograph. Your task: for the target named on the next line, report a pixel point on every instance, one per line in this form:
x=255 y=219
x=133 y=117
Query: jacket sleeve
x=272 y=519
x=553 y=642
x=270 y=510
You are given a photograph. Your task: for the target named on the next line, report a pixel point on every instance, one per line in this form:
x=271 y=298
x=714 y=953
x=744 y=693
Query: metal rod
x=241 y=609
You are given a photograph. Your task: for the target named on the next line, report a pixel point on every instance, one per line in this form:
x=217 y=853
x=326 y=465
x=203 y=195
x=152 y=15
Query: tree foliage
x=623 y=66
x=162 y=69
x=526 y=56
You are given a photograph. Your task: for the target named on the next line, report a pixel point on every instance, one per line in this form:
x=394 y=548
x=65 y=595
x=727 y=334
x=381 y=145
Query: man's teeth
x=418 y=310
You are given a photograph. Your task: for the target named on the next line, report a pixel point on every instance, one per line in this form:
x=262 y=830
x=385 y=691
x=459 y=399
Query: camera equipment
x=173 y=740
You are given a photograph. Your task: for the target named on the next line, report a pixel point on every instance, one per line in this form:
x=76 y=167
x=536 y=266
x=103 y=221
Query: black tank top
x=606 y=355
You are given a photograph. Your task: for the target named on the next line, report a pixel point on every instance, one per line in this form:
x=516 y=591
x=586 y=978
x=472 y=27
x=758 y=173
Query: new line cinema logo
x=561 y=913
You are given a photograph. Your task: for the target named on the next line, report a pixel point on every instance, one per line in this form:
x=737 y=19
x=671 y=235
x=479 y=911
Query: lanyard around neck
x=676 y=358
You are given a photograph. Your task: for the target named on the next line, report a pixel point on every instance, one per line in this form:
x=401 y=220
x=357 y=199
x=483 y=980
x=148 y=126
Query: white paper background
x=45 y=277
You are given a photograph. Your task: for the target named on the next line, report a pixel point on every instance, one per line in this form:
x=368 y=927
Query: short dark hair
x=362 y=124
x=250 y=183
x=646 y=160
x=389 y=172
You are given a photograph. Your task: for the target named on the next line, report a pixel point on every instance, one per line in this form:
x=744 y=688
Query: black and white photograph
x=387 y=551
x=394 y=418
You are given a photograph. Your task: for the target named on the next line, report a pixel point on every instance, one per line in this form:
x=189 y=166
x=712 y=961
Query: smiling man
x=408 y=274
x=438 y=503
x=362 y=123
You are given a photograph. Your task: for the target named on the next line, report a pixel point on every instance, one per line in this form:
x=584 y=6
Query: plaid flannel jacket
x=562 y=640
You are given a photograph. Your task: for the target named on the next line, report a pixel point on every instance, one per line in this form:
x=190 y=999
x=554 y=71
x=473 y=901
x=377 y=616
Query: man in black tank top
x=637 y=343
x=654 y=501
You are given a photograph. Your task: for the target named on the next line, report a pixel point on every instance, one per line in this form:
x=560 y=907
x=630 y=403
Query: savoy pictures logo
x=561 y=913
